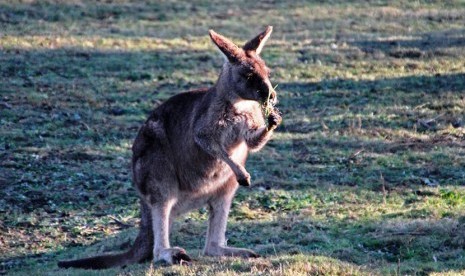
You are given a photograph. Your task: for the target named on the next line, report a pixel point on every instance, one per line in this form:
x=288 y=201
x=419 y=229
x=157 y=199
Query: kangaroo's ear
x=256 y=44
x=232 y=52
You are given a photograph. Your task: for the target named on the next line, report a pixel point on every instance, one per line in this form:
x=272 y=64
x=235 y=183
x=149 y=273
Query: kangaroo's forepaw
x=174 y=255
x=244 y=180
x=274 y=120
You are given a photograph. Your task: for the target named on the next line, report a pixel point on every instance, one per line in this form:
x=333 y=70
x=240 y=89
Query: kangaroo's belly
x=202 y=173
x=207 y=189
x=217 y=182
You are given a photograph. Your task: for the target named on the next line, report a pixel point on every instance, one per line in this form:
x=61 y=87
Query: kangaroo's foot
x=173 y=255
x=230 y=251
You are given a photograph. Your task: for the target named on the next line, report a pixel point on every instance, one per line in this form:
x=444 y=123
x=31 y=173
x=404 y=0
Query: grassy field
x=366 y=175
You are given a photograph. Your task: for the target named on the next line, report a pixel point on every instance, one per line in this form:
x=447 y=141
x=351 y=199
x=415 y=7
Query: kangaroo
x=191 y=152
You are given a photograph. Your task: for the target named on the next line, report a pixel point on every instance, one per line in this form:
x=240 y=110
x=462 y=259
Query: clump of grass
x=267 y=108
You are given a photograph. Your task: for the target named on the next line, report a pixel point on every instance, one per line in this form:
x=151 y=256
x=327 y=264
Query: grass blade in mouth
x=267 y=106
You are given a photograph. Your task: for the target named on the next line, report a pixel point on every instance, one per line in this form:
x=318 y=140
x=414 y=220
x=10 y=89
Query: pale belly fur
x=189 y=200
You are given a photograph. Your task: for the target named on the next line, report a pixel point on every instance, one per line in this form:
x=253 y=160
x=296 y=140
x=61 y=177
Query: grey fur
x=191 y=152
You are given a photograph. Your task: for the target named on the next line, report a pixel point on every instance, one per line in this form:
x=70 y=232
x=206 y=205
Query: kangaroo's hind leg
x=216 y=234
x=162 y=250
x=156 y=181
x=162 y=195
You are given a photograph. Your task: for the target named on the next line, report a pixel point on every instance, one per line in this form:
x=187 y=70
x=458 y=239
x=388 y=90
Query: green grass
x=365 y=176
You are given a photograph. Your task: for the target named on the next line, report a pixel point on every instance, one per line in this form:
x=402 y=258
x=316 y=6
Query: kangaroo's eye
x=253 y=80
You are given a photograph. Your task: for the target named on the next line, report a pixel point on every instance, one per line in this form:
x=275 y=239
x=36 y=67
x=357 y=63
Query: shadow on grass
x=424 y=104
x=412 y=91
x=428 y=44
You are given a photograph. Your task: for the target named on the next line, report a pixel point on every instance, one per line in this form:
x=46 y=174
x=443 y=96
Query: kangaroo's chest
x=248 y=113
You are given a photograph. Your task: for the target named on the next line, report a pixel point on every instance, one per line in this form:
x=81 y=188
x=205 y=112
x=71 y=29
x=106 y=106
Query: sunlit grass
x=103 y=43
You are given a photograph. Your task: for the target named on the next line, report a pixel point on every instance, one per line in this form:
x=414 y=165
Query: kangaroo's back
x=170 y=121
x=168 y=133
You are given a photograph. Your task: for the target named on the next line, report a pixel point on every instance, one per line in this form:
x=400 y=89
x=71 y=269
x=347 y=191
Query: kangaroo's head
x=245 y=74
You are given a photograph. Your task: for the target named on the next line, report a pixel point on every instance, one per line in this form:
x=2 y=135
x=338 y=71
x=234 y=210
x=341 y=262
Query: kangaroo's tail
x=140 y=251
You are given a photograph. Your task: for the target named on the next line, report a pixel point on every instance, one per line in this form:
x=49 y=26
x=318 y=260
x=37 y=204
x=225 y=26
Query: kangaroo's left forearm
x=258 y=138
x=209 y=144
